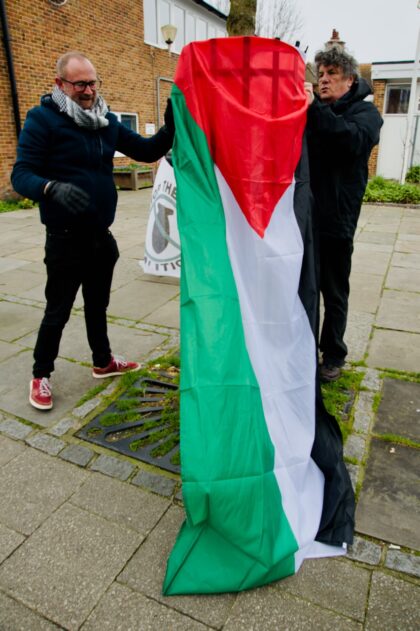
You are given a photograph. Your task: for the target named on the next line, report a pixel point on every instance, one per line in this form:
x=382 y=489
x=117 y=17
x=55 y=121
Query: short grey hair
x=337 y=57
x=63 y=61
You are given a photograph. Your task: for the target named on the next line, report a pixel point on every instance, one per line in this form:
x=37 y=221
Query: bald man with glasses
x=65 y=162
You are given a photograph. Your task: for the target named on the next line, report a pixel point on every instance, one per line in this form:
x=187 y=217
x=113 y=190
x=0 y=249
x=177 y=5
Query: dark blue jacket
x=340 y=139
x=52 y=147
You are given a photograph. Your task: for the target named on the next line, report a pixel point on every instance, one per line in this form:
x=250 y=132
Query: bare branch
x=279 y=18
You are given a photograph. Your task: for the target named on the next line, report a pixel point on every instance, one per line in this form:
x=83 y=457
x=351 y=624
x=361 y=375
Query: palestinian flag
x=264 y=484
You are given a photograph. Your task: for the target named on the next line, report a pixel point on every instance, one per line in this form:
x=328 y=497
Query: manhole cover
x=143 y=423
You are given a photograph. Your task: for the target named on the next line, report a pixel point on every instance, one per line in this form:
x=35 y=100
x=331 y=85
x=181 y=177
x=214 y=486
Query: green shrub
x=413 y=174
x=14 y=204
x=389 y=191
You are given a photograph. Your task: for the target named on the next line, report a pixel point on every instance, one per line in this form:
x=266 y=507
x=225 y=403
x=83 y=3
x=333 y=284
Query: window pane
x=178 y=21
x=397 y=100
x=163 y=18
x=129 y=120
x=201 y=29
x=149 y=7
x=189 y=28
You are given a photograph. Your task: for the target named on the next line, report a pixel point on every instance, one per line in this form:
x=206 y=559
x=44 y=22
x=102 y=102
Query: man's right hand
x=69 y=196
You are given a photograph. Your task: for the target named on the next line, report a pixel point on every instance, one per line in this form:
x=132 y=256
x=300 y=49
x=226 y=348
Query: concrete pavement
x=85 y=533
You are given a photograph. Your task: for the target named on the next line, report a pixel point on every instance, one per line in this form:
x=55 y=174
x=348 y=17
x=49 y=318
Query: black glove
x=169 y=118
x=69 y=196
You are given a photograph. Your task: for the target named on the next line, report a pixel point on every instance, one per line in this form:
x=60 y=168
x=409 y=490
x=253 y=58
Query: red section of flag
x=247 y=95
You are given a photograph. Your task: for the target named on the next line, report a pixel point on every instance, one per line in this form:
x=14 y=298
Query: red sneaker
x=117 y=366
x=40 y=394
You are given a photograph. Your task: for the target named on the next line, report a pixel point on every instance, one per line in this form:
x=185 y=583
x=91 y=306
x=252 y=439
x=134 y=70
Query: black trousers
x=74 y=260
x=335 y=267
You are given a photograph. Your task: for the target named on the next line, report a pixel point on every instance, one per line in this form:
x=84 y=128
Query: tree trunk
x=241 y=20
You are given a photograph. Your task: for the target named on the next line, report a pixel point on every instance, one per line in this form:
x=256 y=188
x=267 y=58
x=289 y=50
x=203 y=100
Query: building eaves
x=210 y=8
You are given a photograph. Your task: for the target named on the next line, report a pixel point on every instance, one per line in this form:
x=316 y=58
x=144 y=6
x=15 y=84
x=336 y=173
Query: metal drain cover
x=143 y=423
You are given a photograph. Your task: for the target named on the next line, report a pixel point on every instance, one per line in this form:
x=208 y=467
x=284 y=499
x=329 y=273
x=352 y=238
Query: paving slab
x=62 y=574
x=167 y=315
x=33 y=486
x=399 y=410
x=18 y=320
x=399 y=310
x=267 y=609
x=403 y=562
x=324 y=581
x=394 y=349
x=9 y=449
x=121 y=609
x=121 y=503
x=359 y=327
x=146 y=570
x=20 y=280
x=389 y=503
x=410 y=260
x=127 y=342
x=393 y=604
x=125 y=271
x=403 y=279
x=391 y=228
x=8 y=350
x=16 y=617
x=9 y=541
x=369 y=259
x=408 y=243
x=365 y=551
x=139 y=298
x=69 y=382
x=9 y=263
x=365 y=292
x=410 y=225
x=382 y=238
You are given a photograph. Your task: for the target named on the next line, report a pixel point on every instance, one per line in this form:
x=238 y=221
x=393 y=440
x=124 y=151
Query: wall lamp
x=168 y=34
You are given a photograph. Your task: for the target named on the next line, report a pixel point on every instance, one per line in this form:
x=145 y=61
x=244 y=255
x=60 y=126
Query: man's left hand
x=309 y=89
x=169 y=118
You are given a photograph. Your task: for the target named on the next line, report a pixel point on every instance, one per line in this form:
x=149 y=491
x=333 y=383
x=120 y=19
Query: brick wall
x=110 y=33
x=378 y=99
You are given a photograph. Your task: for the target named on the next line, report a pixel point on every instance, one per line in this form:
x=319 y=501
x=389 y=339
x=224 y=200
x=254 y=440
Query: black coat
x=53 y=147
x=341 y=136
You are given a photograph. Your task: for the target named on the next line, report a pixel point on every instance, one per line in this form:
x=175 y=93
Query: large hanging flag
x=257 y=503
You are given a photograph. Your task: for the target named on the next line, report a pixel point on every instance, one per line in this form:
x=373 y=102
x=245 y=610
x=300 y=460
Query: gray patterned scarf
x=92 y=119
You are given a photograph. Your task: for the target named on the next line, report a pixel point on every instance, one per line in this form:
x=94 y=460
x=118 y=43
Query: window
x=130 y=121
x=192 y=22
x=397 y=99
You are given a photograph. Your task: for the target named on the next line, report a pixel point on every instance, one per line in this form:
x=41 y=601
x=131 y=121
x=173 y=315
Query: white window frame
x=390 y=86
x=151 y=12
x=118 y=154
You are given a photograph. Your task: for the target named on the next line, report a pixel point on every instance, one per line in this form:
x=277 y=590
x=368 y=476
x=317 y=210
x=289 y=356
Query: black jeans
x=335 y=266
x=75 y=260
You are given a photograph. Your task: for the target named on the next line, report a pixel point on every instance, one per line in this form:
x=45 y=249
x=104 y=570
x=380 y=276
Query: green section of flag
x=236 y=535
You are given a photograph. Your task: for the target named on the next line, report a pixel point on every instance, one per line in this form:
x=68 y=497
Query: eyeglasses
x=80 y=86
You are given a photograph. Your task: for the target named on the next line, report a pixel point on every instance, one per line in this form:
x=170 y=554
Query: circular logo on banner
x=162 y=255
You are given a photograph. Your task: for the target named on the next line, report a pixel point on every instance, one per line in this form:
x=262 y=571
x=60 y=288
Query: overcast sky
x=374 y=30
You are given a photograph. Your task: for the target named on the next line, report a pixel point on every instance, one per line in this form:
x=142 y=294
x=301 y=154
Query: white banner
x=162 y=253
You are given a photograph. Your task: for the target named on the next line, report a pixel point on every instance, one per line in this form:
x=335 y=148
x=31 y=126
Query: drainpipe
x=9 y=58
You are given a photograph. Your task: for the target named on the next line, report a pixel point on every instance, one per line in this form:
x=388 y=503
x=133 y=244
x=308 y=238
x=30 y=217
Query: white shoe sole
x=115 y=374
x=38 y=406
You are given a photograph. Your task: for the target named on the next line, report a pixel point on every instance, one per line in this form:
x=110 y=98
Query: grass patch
x=399 y=440
x=9 y=205
x=92 y=393
x=381 y=190
x=399 y=374
x=339 y=396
